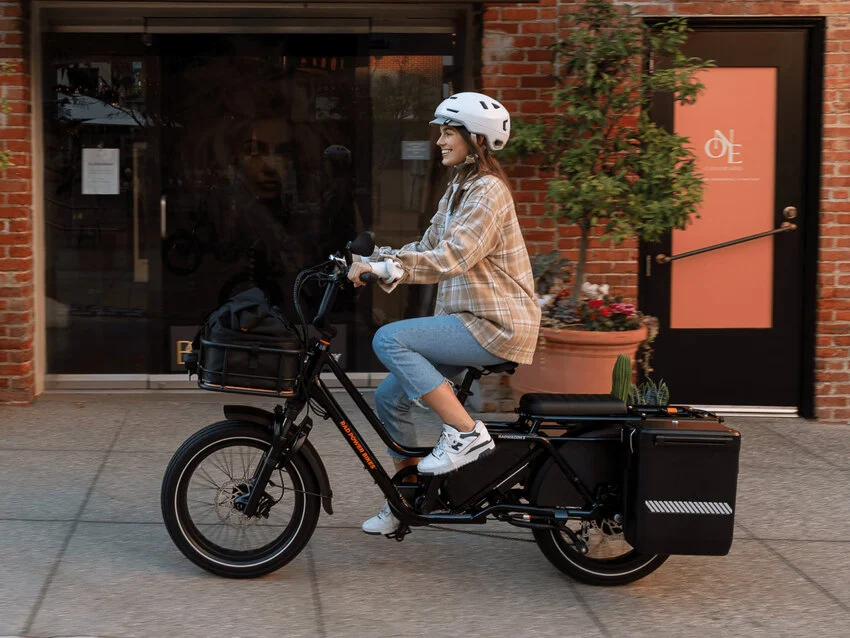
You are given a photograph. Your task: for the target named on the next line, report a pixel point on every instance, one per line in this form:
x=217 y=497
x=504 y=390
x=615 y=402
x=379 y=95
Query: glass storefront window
x=182 y=169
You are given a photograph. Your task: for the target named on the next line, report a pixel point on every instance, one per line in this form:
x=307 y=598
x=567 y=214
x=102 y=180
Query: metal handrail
x=661 y=258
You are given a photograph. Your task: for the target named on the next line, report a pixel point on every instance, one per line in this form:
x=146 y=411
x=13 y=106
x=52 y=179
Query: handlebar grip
x=367 y=277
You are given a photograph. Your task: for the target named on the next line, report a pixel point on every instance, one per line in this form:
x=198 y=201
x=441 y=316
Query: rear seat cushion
x=572 y=405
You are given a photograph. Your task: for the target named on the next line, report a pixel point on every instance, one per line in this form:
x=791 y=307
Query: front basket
x=249 y=368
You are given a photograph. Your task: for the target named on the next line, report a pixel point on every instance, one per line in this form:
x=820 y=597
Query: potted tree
x=614 y=173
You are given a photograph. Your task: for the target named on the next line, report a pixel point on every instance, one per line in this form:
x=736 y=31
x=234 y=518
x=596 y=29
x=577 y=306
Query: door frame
x=816 y=29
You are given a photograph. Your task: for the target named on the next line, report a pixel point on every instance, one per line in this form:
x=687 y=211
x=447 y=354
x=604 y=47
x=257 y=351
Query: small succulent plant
x=650 y=394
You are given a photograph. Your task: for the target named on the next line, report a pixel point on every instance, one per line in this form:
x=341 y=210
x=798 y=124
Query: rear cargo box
x=681 y=481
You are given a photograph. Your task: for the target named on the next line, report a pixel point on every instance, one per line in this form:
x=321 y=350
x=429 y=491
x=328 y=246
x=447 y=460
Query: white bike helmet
x=477 y=113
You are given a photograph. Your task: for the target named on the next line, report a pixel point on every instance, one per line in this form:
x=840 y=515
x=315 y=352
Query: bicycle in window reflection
x=242 y=497
x=183 y=250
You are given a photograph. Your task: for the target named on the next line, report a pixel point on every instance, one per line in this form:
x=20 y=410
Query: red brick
x=518 y=15
x=15 y=369
x=537 y=27
x=517 y=68
x=536 y=81
x=525 y=41
x=22 y=199
x=15 y=239
x=14 y=344
x=19 y=356
x=539 y=55
x=501 y=81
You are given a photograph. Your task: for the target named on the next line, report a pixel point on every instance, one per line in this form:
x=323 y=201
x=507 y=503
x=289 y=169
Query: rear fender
x=266 y=419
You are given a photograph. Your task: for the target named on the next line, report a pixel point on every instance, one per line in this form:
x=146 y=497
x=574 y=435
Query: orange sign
x=732 y=130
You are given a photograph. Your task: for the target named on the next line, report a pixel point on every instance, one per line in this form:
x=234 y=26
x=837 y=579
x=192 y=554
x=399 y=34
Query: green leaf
x=627 y=179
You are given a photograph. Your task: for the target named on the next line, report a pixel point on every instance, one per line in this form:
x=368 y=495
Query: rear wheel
x=609 y=560
x=202 y=483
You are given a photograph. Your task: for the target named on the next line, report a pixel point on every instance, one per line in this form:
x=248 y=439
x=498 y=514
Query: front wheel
x=206 y=476
x=609 y=560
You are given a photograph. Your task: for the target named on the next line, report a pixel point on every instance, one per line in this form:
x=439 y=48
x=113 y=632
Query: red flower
x=606 y=311
x=594 y=303
x=626 y=308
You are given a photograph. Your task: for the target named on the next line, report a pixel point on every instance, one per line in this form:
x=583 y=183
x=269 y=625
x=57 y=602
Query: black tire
x=185 y=494
x=619 y=565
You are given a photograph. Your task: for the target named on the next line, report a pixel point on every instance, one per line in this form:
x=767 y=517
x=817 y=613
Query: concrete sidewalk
x=84 y=552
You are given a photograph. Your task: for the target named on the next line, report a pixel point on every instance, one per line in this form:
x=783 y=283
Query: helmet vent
x=452 y=110
x=481 y=102
x=496 y=106
x=505 y=125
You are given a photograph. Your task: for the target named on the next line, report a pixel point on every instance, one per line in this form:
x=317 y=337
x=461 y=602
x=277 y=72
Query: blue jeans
x=420 y=355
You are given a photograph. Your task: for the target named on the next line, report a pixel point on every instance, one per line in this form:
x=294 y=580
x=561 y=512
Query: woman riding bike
x=486 y=309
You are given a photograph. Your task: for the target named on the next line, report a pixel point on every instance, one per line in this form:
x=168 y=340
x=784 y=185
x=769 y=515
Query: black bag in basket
x=248 y=344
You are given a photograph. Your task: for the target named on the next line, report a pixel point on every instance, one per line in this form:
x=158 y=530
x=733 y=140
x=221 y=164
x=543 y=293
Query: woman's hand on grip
x=356 y=269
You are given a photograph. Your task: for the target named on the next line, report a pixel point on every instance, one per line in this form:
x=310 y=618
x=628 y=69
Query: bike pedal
x=400 y=533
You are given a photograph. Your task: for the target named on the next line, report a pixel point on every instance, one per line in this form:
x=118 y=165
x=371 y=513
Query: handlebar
x=362 y=245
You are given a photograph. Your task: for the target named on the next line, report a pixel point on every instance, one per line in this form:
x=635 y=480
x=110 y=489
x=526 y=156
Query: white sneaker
x=456 y=449
x=383 y=523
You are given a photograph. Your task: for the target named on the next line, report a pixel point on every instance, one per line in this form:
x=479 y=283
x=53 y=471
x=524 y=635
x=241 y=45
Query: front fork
x=283 y=443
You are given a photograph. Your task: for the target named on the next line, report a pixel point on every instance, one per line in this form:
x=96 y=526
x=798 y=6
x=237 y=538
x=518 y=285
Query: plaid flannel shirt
x=478 y=258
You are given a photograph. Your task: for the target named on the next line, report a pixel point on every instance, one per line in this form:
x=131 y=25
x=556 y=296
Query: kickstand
x=402 y=531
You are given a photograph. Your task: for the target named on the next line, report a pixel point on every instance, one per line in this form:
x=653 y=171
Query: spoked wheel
x=609 y=560
x=203 y=514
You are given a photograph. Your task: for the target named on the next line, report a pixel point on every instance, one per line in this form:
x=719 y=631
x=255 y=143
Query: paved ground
x=83 y=551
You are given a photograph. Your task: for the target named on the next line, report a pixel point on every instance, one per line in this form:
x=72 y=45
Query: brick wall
x=514 y=71
x=515 y=66
x=17 y=383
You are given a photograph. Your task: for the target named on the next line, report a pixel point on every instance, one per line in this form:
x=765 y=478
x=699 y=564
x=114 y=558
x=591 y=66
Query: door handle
x=785 y=227
x=162 y=208
x=141 y=267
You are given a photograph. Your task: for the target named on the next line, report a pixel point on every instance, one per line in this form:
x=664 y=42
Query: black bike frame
x=319 y=357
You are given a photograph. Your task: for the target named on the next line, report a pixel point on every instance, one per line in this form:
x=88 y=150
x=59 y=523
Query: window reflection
x=267 y=155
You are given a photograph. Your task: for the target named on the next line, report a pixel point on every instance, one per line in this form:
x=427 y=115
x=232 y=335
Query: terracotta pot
x=575 y=361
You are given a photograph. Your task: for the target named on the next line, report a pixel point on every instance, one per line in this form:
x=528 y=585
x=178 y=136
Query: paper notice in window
x=100 y=171
x=416 y=150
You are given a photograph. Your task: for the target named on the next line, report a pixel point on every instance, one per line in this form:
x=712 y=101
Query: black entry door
x=259 y=168
x=733 y=327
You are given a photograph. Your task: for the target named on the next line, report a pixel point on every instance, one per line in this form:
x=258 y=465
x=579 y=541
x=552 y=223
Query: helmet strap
x=471 y=158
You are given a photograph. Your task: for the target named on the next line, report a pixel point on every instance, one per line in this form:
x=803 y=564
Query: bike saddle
x=555 y=405
x=508 y=366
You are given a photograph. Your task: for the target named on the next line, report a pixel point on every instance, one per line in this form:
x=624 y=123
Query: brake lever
x=366 y=277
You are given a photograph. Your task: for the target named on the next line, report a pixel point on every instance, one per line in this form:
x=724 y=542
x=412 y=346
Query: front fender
x=266 y=419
